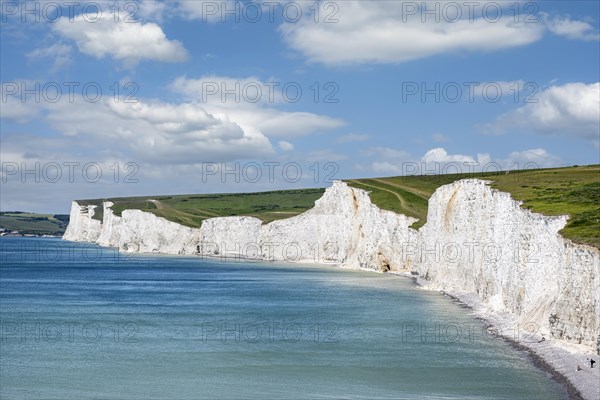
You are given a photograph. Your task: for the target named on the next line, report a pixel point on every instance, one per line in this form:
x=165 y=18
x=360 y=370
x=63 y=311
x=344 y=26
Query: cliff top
x=191 y=210
x=574 y=191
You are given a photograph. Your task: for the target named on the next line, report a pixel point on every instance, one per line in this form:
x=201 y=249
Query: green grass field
x=574 y=191
x=36 y=224
x=191 y=210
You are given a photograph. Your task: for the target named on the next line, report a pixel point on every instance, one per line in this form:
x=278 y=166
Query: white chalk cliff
x=82 y=225
x=476 y=240
x=479 y=240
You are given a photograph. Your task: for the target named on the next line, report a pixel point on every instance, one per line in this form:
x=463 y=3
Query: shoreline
x=548 y=355
x=541 y=363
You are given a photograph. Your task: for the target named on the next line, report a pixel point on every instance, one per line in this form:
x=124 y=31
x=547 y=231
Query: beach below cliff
x=557 y=357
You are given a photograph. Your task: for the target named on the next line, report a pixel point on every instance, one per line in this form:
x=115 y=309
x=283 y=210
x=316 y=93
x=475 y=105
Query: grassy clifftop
x=191 y=210
x=574 y=191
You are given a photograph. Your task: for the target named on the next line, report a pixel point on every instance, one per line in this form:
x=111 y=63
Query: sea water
x=83 y=322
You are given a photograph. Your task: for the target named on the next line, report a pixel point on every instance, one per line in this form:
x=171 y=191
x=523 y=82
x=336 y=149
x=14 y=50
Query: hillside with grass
x=574 y=191
x=191 y=210
x=34 y=224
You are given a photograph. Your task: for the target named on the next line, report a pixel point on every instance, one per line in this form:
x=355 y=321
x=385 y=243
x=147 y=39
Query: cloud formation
x=572 y=109
x=59 y=52
x=571 y=29
x=146 y=131
x=169 y=133
x=254 y=104
x=392 y=32
x=383 y=32
x=128 y=41
x=439 y=161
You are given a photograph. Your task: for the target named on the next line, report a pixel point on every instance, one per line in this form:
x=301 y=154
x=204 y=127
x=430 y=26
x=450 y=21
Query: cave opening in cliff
x=385 y=266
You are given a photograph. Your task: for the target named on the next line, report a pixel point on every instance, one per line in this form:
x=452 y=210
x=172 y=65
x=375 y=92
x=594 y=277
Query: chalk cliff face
x=343 y=228
x=480 y=240
x=230 y=236
x=476 y=240
x=82 y=227
x=142 y=232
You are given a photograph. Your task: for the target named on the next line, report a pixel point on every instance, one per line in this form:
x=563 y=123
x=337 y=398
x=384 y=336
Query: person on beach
x=579 y=367
x=592 y=362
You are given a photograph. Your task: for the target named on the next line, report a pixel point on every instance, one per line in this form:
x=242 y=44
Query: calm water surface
x=81 y=322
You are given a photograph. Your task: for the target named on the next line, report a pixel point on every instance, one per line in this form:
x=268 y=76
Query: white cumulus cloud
x=440 y=155
x=147 y=131
x=128 y=41
x=439 y=161
x=252 y=102
x=539 y=158
x=572 y=109
x=388 y=32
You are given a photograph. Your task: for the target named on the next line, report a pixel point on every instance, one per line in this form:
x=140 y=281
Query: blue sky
x=508 y=84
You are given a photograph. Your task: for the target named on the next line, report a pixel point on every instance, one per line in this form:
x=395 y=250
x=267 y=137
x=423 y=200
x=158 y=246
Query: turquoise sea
x=82 y=322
